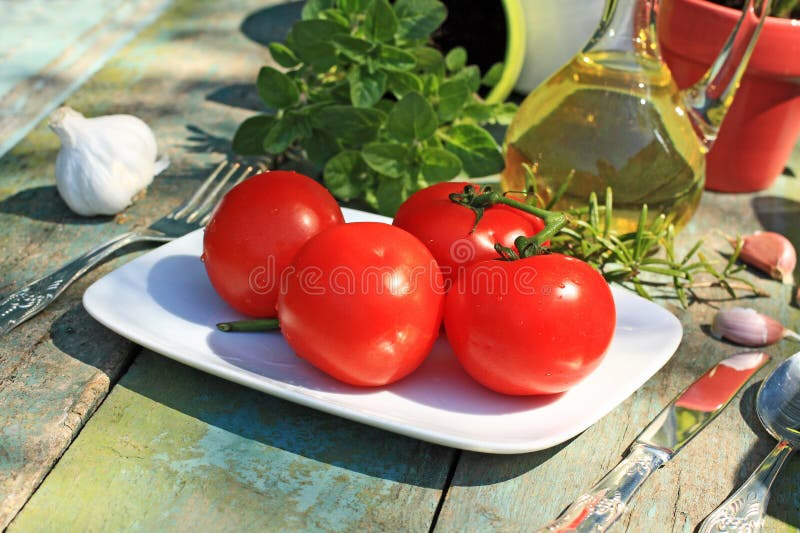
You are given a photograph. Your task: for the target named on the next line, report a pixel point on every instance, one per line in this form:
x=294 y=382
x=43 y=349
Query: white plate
x=163 y=301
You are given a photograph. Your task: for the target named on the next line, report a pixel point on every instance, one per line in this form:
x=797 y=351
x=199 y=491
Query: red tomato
x=363 y=303
x=533 y=326
x=255 y=232
x=444 y=227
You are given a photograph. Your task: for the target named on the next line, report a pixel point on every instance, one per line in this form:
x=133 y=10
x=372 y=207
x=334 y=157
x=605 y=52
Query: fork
x=34 y=296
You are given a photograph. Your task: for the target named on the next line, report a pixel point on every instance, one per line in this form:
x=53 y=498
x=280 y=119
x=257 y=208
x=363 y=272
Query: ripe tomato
x=363 y=303
x=532 y=326
x=446 y=227
x=255 y=232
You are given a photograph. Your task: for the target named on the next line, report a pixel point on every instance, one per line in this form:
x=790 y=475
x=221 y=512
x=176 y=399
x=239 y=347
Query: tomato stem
x=250 y=326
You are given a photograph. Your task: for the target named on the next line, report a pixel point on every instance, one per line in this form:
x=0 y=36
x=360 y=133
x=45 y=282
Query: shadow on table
x=271 y=24
x=43 y=203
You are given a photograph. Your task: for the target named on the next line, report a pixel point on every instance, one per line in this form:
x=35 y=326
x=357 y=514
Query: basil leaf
x=336 y=16
x=311 y=41
x=478 y=111
x=353 y=7
x=285 y=131
x=429 y=60
x=352 y=48
x=394 y=58
x=380 y=22
x=283 y=55
x=320 y=146
x=504 y=112
x=417 y=19
x=351 y=125
x=439 y=165
x=478 y=151
x=453 y=94
x=276 y=89
x=388 y=159
x=412 y=119
x=493 y=75
x=313 y=8
x=343 y=174
x=390 y=194
x=471 y=75
x=249 y=137
x=365 y=88
x=456 y=59
x=401 y=83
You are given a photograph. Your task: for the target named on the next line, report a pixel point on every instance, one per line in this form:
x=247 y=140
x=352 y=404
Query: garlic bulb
x=104 y=161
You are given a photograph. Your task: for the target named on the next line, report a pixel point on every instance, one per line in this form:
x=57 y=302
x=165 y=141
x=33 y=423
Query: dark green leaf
x=456 y=59
x=494 y=74
x=313 y=8
x=478 y=151
x=311 y=40
x=353 y=48
x=430 y=85
x=334 y=15
x=401 y=83
x=343 y=174
x=283 y=55
x=453 y=94
x=412 y=119
x=320 y=146
x=353 y=7
x=471 y=75
x=394 y=58
x=380 y=22
x=390 y=194
x=417 y=19
x=439 y=165
x=249 y=137
x=355 y=126
x=276 y=89
x=365 y=88
x=478 y=111
x=285 y=130
x=429 y=60
x=388 y=159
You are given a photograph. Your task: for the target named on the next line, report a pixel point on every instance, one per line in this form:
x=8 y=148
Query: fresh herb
x=367 y=99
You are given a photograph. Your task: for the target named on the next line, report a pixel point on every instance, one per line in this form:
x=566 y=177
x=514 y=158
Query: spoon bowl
x=778 y=409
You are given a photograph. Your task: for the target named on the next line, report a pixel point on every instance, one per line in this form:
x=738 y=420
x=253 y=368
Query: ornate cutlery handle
x=743 y=511
x=604 y=503
x=36 y=295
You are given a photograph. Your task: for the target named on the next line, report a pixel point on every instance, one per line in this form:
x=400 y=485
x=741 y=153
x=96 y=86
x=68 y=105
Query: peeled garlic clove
x=748 y=327
x=770 y=252
x=104 y=161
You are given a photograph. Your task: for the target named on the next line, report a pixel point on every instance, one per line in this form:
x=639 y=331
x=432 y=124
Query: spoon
x=778 y=408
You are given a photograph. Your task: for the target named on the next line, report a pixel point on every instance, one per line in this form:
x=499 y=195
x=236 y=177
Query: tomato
x=255 y=232
x=446 y=227
x=532 y=326
x=363 y=303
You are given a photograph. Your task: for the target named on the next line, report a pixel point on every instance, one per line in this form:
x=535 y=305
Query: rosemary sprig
x=646 y=260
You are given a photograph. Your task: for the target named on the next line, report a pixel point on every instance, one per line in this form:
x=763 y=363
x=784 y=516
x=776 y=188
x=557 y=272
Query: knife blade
x=683 y=418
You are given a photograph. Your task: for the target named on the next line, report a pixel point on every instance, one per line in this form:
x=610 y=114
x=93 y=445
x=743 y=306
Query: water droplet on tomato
x=203 y=257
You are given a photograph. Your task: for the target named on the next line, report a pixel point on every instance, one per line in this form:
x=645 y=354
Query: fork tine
x=198 y=203
x=192 y=202
x=203 y=213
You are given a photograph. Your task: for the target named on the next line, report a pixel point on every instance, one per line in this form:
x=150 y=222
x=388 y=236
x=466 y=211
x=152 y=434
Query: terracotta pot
x=763 y=124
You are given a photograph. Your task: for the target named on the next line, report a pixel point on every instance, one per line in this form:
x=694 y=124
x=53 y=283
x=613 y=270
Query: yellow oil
x=616 y=120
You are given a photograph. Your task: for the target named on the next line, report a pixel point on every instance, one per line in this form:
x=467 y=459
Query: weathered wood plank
x=186 y=76
x=527 y=491
x=173 y=448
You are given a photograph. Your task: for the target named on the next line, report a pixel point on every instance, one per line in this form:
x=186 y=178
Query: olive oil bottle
x=614 y=117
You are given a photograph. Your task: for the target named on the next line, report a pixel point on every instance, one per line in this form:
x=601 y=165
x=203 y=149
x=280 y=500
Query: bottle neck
x=627 y=29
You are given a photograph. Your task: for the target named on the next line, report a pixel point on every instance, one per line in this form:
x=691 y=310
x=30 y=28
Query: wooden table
x=150 y=444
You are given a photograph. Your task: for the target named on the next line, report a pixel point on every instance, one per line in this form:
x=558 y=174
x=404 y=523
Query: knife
x=683 y=418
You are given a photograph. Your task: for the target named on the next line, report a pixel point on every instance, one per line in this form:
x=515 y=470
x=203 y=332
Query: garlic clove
x=103 y=161
x=748 y=327
x=771 y=253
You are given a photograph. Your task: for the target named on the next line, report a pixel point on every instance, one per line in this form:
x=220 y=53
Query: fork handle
x=34 y=296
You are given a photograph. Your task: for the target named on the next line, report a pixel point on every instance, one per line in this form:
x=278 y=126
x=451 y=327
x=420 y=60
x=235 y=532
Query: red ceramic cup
x=763 y=124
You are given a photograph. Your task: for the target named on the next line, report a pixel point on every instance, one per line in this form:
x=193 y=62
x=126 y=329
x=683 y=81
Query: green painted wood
x=173 y=448
x=187 y=76
x=526 y=491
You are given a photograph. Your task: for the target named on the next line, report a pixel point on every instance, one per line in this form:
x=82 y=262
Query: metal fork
x=191 y=215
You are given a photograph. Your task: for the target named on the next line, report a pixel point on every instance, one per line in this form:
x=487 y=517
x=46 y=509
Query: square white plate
x=164 y=301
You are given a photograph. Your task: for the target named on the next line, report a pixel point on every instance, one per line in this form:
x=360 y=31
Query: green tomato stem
x=554 y=220
x=250 y=326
